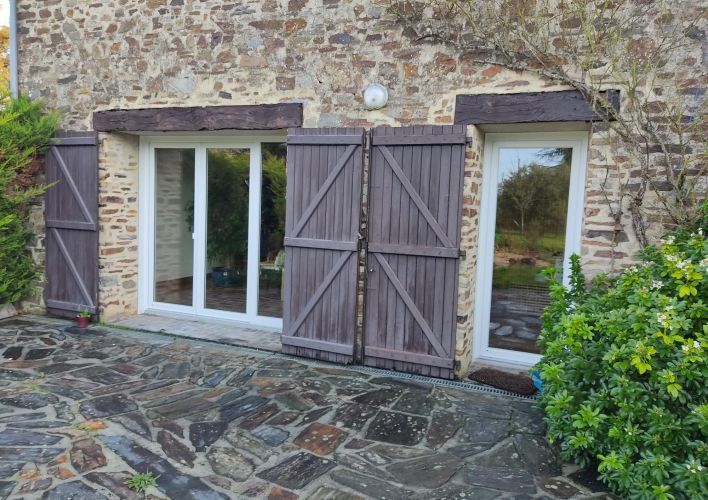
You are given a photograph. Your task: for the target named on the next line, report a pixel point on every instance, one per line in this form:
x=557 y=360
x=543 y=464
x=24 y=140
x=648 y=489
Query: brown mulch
x=517 y=383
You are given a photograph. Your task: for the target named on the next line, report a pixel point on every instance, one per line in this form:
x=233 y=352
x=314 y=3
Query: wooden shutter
x=323 y=206
x=71 y=218
x=414 y=214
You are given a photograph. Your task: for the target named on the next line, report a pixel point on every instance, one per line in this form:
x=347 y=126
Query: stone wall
x=471 y=200
x=87 y=56
x=118 y=225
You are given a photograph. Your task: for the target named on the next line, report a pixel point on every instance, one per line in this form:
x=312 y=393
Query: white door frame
x=493 y=142
x=146 y=227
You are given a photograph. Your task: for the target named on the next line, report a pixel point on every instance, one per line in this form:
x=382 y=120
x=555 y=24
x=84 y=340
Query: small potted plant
x=82 y=319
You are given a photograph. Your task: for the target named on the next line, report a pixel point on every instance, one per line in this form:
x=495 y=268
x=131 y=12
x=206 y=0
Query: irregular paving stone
x=399 y=452
x=219 y=481
x=293 y=401
x=174 y=449
x=483 y=430
x=13 y=375
x=6 y=488
x=558 y=487
x=115 y=483
x=230 y=463
x=379 y=397
x=37 y=485
x=41 y=455
x=361 y=466
x=426 y=472
x=22 y=417
x=10 y=468
x=67 y=392
x=357 y=444
x=277 y=493
x=284 y=418
x=134 y=422
x=30 y=400
x=12 y=437
x=152 y=403
x=510 y=479
x=321 y=439
x=61 y=367
x=181 y=409
x=243 y=440
x=397 y=428
x=100 y=374
x=469 y=449
x=272 y=436
x=106 y=406
x=443 y=426
x=369 y=486
x=204 y=434
x=174 y=370
x=40 y=424
x=14 y=352
x=329 y=493
x=169 y=480
x=454 y=491
x=170 y=425
x=259 y=416
x=297 y=471
x=353 y=416
x=74 y=490
x=38 y=353
x=538 y=456
x=87 y=455
x=416 y=402
x=241 y=407
x=315 y=415
x=214 y=378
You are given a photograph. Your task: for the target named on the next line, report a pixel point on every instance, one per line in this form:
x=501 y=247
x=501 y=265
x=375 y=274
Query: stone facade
x=87 y=56
x=118 y=225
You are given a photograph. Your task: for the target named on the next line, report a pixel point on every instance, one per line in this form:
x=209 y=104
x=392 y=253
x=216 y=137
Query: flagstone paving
x=81 y=411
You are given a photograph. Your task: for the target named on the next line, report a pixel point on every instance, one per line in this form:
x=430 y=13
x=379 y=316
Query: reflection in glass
x=532 y=208
x=227 y=229
x=174 y=213
x=272 y=252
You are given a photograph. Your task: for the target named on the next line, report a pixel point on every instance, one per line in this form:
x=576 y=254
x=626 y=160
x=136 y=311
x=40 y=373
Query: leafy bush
x=624 y=371
x=24 y=133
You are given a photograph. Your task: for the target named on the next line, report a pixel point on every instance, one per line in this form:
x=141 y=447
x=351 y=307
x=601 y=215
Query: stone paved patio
x=82 y=411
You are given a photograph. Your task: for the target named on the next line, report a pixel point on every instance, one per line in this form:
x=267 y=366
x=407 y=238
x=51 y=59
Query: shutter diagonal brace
x=416 y=197
x=72 y=268
x=408 y=301
x=72 y=185
x=323 y=190
x=326 y=282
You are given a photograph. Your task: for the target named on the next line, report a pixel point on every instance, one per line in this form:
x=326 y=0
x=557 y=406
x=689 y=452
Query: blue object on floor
x=537 y=381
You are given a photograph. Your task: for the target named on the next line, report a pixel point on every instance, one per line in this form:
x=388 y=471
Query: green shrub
x=24 y=133
x=624 y=371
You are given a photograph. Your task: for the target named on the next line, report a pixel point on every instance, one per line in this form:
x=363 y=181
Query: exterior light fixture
x=375 y=96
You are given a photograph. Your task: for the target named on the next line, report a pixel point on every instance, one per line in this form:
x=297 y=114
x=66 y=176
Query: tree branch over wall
x=650 y=50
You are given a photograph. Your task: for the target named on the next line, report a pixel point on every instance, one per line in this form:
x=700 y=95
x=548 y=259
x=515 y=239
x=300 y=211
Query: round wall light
x=375 y=96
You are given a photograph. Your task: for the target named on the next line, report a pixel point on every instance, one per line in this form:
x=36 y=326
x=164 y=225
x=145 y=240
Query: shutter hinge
x=463 y=254
x=456 y=365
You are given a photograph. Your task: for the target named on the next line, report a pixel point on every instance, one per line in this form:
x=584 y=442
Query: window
x=531 y=219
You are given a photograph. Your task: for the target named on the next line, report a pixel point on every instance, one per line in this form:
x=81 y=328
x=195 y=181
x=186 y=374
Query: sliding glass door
x=215 y=229
x=530 y=221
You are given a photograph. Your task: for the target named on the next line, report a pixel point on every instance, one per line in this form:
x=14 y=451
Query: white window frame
x=493 y=142
x=146 y=227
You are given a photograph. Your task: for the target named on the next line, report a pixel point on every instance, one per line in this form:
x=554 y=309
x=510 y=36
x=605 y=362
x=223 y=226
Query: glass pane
x=532 y=208
x=174 y=217
x=272 y=253
x=227 y=229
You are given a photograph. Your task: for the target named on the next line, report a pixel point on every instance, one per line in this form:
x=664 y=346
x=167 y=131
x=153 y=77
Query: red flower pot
x=82 y=321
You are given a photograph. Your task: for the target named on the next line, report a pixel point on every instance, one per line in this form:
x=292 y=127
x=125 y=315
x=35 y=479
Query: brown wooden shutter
x=71 y=218
x=323 y=206
x=414 y=214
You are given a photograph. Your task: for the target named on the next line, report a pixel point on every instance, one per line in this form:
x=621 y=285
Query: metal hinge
x=463 y=254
